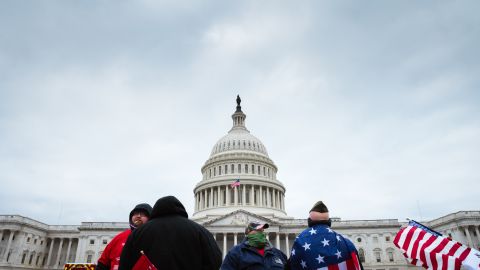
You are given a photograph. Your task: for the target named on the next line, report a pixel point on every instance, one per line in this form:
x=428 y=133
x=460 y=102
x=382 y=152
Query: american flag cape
x=235 y=183
x=425 y=247
x=144 y=263
x=319 y=247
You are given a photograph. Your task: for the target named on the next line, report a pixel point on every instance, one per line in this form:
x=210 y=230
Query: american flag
x=144 y=263
x=425 y=247
x=235 y=183
x=319 y=247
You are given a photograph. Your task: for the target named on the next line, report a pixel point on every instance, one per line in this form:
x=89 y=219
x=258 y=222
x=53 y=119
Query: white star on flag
x=325 y=242
x=320 y=259
x=306 y=246
x=304 y=264
x=293 y=252
x=313 y=231
x=338 y=254
x=329 y=230
x=338 y=238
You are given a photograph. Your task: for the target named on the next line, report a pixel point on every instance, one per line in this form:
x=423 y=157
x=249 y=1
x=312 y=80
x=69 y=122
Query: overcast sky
x=370 y=106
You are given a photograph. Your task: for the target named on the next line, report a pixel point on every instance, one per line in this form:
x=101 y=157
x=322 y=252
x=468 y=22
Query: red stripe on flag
x=354 y=261
x=417 y=243
x=333 y=267
x=464 y=254
x=426 y=245
x=408 y=239
x=454 y=249
x=397 y=237
x=437 y=250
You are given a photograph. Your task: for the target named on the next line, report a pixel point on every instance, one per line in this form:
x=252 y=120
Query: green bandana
x=257 y=240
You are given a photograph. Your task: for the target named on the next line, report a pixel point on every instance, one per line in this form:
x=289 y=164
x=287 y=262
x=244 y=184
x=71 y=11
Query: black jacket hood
x=168 y=205
x=139 y=207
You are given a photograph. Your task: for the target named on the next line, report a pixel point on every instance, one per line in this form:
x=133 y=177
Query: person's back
x=171 y=241
x=319 y=247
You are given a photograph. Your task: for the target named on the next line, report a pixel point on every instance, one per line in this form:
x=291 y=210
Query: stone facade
x=28 y=244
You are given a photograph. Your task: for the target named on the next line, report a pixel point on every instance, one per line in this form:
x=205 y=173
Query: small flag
x=144 y=263
x=425 y=247
x=235 y=183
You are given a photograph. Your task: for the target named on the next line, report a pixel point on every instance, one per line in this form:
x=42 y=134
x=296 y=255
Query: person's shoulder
x=237 y=249
x=278 y=251
x=122 y=234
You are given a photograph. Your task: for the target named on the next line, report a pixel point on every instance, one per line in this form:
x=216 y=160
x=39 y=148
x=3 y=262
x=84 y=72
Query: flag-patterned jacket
x=319 y=247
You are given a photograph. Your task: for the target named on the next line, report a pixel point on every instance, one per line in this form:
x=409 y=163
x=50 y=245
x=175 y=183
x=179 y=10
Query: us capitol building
x=224 y=211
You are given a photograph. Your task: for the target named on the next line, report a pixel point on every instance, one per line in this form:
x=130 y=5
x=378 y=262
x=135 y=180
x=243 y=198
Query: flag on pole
x=235 y=183
x=425 y=247
x=144 y=263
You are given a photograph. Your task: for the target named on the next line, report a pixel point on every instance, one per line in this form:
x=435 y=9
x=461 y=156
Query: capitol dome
x=239 y=157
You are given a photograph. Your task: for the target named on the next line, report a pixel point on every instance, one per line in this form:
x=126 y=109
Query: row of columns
x=258 y=196
x=49 y=255
x=471 y=242
x=59 y=251
x=277 y=242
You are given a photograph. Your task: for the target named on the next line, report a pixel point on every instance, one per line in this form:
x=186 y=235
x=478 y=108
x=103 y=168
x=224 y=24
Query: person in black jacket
x=171 y=241
x=255 y=252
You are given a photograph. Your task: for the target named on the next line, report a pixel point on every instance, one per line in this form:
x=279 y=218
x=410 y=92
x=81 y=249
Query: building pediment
x=237 y=218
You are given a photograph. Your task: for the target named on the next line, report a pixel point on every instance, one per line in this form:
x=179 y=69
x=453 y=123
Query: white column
x=235 y=195
x=200 y=206
x=278 y=241
x=287 y=244
x=218 y=196
x=224 y=245
x=227 y=195
x=8 y=245
x=260 y=196
x=211 y=197
x=57 y=261
x=205 y=191
x=244 y=195
x=268 y=197
x=70 y=240
x=275 y=197
x=252 y=194
x=470 y=242
x=235 y=239
x=476 y=231
x=50 y=253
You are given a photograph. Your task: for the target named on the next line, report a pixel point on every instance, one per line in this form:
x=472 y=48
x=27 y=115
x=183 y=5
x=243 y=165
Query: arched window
x=258 y=170
x=390 y=255
x=226 y=169
x=232 y=168
x=378 y=254
x=215 y=171
x=239 y=168
x=264 y=171
x=246 y=168
x=219 y=170
x=253 y=169
x=361 y=255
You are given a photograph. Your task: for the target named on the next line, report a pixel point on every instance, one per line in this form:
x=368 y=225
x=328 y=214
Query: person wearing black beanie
x=110 y=258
